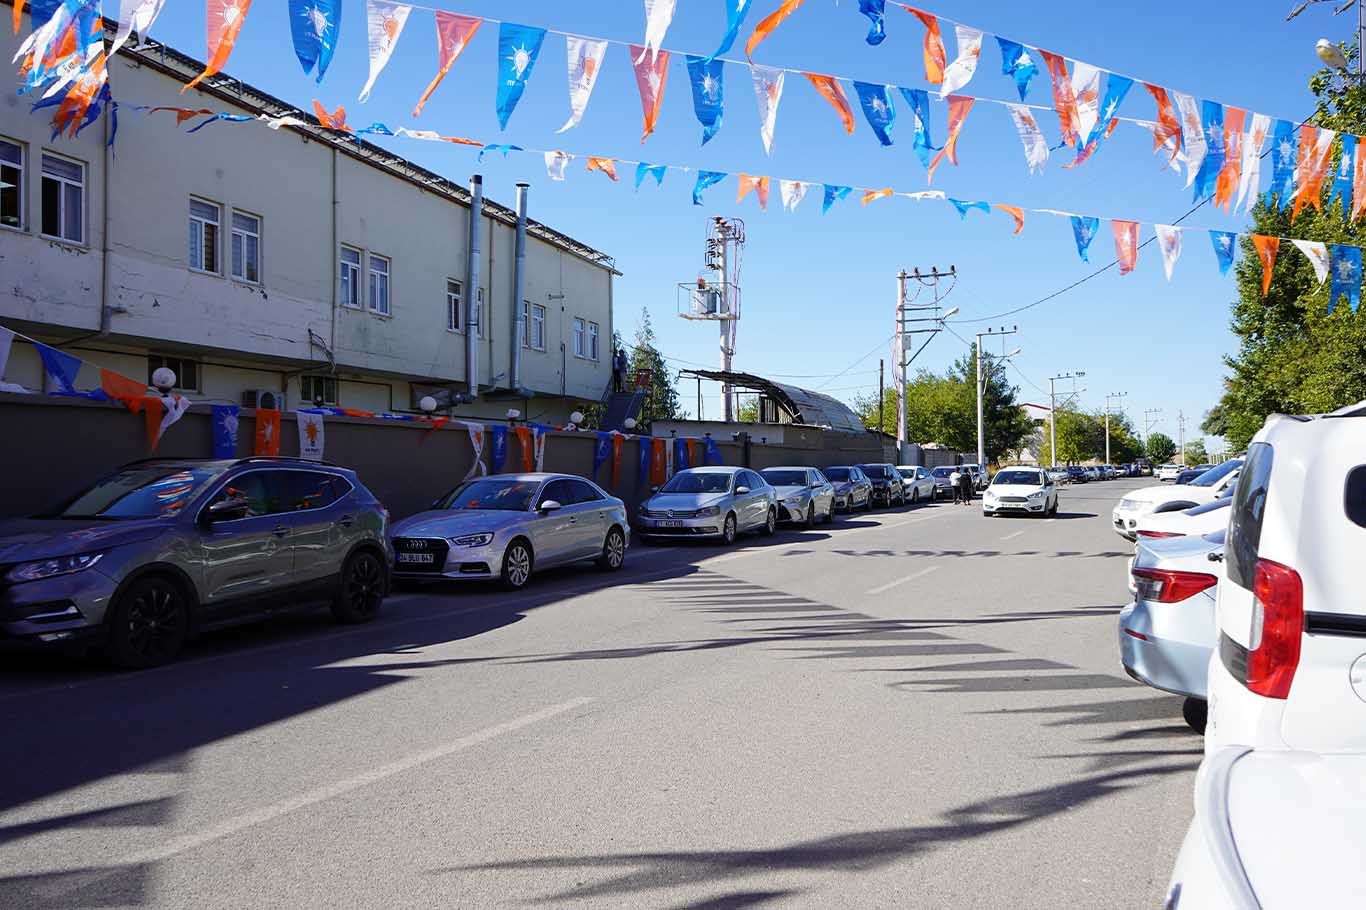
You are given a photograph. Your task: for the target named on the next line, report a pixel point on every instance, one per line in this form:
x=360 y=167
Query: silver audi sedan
x=506 y=526
x=714 y=502
x=804 y=495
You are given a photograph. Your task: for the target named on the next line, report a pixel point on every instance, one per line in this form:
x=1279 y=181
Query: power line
x=885 y=341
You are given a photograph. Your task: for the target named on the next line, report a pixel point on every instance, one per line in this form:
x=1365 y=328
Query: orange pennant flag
x=659 y=462
x=831 y=91
x=152 y=415
x=1014 y=211
x=1227 y=182
x=1126 y=244
x=1358 y=185
x=1168 y=126
x=758 y=184
x=1267 y=248
x=526 y=441
x=617 y=441
x=183 y=113
x=607 y=165
x=225 y=21
x=334 y=121
x=267 y=432
x=18 y=14
x=121 y=388
x=769 y=23
x=453 y=34
x=651 y=77
x=1064 y=101
x=1316 y=149
x=458 y=141
x=935 y=58
x=873 y=195
x=959 y=105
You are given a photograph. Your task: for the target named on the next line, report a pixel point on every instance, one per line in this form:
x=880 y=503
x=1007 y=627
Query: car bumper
x=682 y=527
x=55 y=611
x=1124 y=523
x=1174 y=651
x=1022 y=508
x=882 y=495
x=793 y=512
x=459 y=564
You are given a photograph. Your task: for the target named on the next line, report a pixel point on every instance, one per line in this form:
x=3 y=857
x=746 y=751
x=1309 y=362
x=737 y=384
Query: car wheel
x=868 y=504
x=770 y=524
x=361 y=589
x=613 y=551
x=915 y=497
x=811 y=515
x=1196 y=713
x=517 y=563
x=830 y=513
x=149 y=624
x=728 y=530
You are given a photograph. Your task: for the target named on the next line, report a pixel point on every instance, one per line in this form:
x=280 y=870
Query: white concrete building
x=292 y=261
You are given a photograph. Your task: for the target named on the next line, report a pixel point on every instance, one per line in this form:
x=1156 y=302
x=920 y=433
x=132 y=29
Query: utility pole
x=905 y=306
x=1107 y=421
x=981 y=388
x=1149 y=423
x=1053 y=410
x=881 y=397
x=1181 y=446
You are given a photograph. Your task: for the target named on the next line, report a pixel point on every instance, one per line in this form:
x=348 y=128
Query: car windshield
x=785 y=478
x=497 y=494
x=143 y=491
x=942 y=472
x=1027 y=478
x=877 y=471
x=1214 y=475
x=838 y=474
x=907 y=473
x=702 y=482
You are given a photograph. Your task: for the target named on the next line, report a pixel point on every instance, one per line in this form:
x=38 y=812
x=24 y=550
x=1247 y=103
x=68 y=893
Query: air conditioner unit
x=262 y=398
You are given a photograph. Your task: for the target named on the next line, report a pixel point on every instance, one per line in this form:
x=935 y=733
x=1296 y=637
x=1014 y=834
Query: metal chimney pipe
x=519 y=326
x=472 y=328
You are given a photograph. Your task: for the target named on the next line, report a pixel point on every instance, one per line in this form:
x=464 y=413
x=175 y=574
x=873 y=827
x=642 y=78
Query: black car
x=1077 y=474
x=888 y=490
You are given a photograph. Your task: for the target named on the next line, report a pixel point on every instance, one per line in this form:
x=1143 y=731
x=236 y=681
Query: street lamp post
x=1053 y=411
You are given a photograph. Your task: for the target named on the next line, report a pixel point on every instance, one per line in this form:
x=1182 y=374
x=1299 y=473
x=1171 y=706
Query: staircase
x=620 y=406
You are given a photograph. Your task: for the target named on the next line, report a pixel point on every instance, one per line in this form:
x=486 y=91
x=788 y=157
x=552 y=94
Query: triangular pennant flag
x=876 y=101
x=875 y=10
x=1342 y=181
x=134 y=16
x=332 y=121
x=1014 y=211
x=1084 y=231
x=833 y=194
x=224 y=418
x=935 y=58
x=1228 y=179
x=453 y=34
x=960 y=72
x=1317 y=253
x=965 y=207
x=651 y=170
x=1193 y=142
x=1267 y=248
x=225 y=18
x=1212 y=126
x=1086 y=95
x=1031 y=137
x=758 y=184
x=768 y=90
x=1126 y=244
x=650 y=80
x=707 y=76
x=1169 y=243
x=1224 y=248
x=874 y=195
x=151 y=410
x=959 y=105
x=768 y=24
x=704 y=180
x=792 y=192
x=518 y=48
x=1064 y=101
x=830 y=89
x=385 y=21
x=315 y=26
x=585 y=62
x=1284 y=163
x=1316 y=151
x=735 y=17
x=60 y=367
x=1358 y=185
x=1250 y=171
x=121 y=388
x=1116 y=89
x=1016 y=62
x=919 y=100
x=1346 y=269
x=607 y=166
x=1167 y=129
x=658 y=15
x=267 y=432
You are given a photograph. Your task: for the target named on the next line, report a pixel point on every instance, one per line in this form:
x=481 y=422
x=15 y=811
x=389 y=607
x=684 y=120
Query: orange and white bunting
x=453 y=34
x=768 y=90
x=1126 y=244
x=336 y=120
x=874 y=195
x=758 y=184
x=225 y=18
x=959 y=105
x=606 y=166
x=1014 y=211
x=1250 y=172
x=935 y=58
x=832 y=91
x=959 y=73
x=658 y=15
x=651 y=77
x=1169 y=244
x=585 y=62
x=768 y=24
x=1064 y=100
x=1229 y=175
x=385 y=22
x=1267 y=248
x=1316 y=152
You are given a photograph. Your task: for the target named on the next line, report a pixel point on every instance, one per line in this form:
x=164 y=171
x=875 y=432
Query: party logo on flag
x=518 y=48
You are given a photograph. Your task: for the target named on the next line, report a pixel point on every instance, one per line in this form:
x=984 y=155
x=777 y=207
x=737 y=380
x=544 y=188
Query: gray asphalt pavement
x=919 y=708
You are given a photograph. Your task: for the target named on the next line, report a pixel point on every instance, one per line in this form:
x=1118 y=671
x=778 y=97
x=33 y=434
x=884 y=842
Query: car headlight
x=643 y=508
x=473 y=540
x=709 y=512
x=792 y=501
x=844 y=487
x=47 y=568
x=1036 y=494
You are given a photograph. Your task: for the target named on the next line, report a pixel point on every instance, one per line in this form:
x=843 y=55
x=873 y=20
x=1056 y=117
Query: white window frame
x=21 y=185
x=234 y=233
x=66 y=184
x=455 y=305
x=217 y=236
x=310 y=401
x=533 y=326
x=594 y=336
x=354 y=269
x=580 y=337
x=377 y=279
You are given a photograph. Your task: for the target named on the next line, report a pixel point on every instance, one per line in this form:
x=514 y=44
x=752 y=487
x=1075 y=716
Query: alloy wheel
x=614 y=551
x=517 y=565
x=364 y=586
x=156 y=623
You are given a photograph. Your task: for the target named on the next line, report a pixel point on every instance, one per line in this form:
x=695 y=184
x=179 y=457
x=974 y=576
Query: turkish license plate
x=670 y=524
x=417 y=557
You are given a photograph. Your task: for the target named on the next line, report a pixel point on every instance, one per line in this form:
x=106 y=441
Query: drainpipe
x=519 y=326
x=472 y=294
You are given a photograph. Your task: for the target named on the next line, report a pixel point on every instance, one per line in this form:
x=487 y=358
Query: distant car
x=1144 y=469
x=1146 y=500
x=1167 y=472
x=1204 y=519
x=1189 y=474
x=714 y=502
x=1058 y=475
x=805 y=496
x=1077 y=474
x=852 y=489
x=919 y=483
x=506 y=526
x=1022 y=491
x=980 y=479
x=1092 y=473
x=888 y=489
x=943 y=483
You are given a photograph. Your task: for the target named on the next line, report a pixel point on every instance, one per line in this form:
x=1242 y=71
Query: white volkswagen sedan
x=1022 y=491
x=714 y=502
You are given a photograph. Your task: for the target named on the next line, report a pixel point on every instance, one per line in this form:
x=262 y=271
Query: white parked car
x=979 y=476
x=1168 y=471
x=1020 y=491
x=1142 y=502
x=1206 y=519
x=918 y=482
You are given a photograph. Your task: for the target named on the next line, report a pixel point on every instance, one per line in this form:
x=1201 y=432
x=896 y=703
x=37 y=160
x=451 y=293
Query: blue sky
x=819 y=290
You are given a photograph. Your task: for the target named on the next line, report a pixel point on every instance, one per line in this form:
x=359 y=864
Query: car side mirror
x=229 y=509
x=816 y=484
x=550 y=505
x=741 y=491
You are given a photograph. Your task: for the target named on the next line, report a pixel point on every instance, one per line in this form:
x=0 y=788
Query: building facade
x=293 y=261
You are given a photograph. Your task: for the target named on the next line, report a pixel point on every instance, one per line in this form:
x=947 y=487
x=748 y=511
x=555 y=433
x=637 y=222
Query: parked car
x=1205 y=519
x=1166 y=636
x=888 y=490
x=804 y=495
x=1023 y=491
x=1145 y=469
x=852 y=489
x=1167 y=472
x=1077 y=474
x=943 y=483
x=1189 y=474
x=507 y=526
x=167 y=547
x=1146 y=500
x=1092 y=474
x=715 y=502
x=918 y=482
x=980 y=479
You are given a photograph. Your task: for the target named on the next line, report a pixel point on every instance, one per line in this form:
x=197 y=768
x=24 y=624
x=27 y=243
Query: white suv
x=1290 y=668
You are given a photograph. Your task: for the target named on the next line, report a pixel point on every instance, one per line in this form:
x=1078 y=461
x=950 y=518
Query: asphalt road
x=917 y=708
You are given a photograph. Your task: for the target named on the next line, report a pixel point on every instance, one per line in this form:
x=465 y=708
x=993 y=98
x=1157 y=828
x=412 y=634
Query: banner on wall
x=310 y=436
x=267 y=432
x=224 y=418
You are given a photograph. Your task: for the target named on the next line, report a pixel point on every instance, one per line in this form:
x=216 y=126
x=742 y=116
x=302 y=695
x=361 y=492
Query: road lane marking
x=1012 y=535
x=901 y=581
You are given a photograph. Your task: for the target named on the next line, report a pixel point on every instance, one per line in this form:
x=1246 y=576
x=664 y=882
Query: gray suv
x=163 y=548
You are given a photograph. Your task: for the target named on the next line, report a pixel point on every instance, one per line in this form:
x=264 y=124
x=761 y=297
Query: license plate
x=670 y=524
x=417 y=557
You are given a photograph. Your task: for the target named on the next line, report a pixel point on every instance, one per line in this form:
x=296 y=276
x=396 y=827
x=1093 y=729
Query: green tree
x=748 y=412
x=647 y=357
x=1161 y=448
x=1216 y=421
x=1196 y=454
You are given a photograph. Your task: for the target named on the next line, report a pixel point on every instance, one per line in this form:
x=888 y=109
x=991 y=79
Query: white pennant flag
x=768 y=89
x=310 y=436
x=555 y=163
x=927 y=194
x=135 y=16
x=585 y=61
x=1035 y=146
x=427 y=135
x=1318 y=256
x=792 y=192
x=173 y=408
x=1169 y=241
x=1086 y=91
x=476 y=431
x=1192 y=133
x=6 y=340
x=276 y=122
x=658 y=15
x=959 y=73
x=386 y=24
x=1250 y=178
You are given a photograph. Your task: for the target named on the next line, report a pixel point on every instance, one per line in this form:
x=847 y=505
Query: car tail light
x=1277 y=625
x=1167 y=586
x=1159 y=534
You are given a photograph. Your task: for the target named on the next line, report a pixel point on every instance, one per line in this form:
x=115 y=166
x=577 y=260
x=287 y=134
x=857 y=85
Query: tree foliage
x=646 y=356
x=1161 y=448
x=1081 y=437
x=1195 y=453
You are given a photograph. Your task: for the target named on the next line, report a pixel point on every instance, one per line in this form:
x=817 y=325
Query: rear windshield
x=837 y=473
x=497 y=494
x=785 y=478
x=1249 y=508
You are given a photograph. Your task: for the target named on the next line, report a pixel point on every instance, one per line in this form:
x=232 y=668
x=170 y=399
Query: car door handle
x=280 y=531
x=346 y=521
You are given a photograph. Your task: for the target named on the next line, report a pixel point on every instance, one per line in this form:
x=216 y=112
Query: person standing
x=956 y=484
x=619 y=368
x=968 y=483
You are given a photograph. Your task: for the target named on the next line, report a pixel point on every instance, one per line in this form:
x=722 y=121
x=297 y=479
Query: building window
x=11 y=185
x=186 y=371
x=350 y=276
x=204 y=221
x=592 y=341
x=315 y=390
x=479 y=313
x=534 y=331
x=454 y=301
x=246 y=247
x=580 y=338
x=63 y=199
x=379 y=285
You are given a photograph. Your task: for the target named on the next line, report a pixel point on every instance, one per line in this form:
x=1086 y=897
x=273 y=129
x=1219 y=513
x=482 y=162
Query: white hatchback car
x=918 y=482
x=1168 y=471
x=1208 y=487
x=1020 y=491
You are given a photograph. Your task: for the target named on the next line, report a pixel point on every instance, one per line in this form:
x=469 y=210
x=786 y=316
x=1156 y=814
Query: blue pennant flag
x=1225 y=247
x=1342 y=182
x=874 y=10
x=1116 y=88
x=877 y=107
x=500 y=447
x=735 y=17
x=1016 y=62
x=681 y=454
x=833 y=194
x=602 y=450
x=1212 y=122
x=1084 y=229
x=965 y=207
x=377 y=128
x=232 y=118
x=315 y=25
x=713 y=452
x=60 y=366
x=225 y=430
x=919 y=100
x=705 y=179
x=1345 y=266
x=498 y=148
x=1284 y=156
x=518 y=48
x=706 y=75
x=652 y=170
x=643 y=478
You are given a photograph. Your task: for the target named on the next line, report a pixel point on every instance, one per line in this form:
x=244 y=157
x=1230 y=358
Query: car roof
x=714 y=469
x=533 y=477
x=789 y=467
